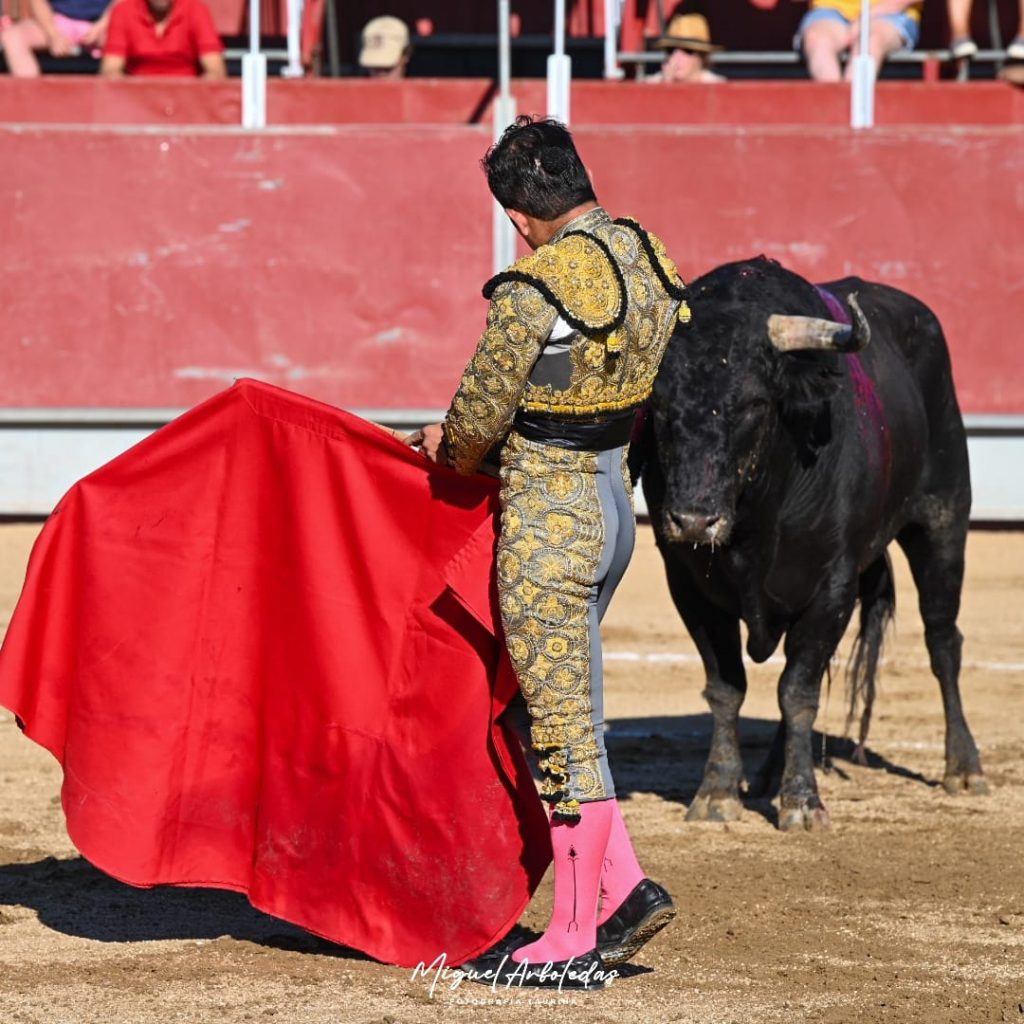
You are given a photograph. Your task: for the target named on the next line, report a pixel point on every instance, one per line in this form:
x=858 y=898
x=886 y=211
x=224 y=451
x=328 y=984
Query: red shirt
x=188 y=32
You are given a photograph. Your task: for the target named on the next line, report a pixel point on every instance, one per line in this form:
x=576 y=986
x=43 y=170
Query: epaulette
x=659 y=259
x=662 y=264
x=578 y=276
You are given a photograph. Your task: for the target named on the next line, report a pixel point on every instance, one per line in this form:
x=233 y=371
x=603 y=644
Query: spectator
x=832 y=27
x=688 y=41
x=61 y=27
x=386 y=51
x=162 y=37
x=962 y=46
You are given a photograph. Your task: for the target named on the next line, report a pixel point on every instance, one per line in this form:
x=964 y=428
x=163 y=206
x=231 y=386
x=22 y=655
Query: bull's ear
x=807 y=382
x=803 y=333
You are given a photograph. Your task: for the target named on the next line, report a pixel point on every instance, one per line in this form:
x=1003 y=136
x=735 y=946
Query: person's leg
x=889 y=33
x=959 y=14
x=823 y=36
x=621 y=871
x=1015 y=51
x=633 y=907
x=567 y=533
x=73 y=28
x=556 y=546
x=616 y=492
x=517 y=717
x=19 y=41
x=884 y=40
x=577 y=853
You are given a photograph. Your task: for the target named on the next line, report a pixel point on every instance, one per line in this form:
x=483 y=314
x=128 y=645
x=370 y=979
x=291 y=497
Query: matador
x=575 y=332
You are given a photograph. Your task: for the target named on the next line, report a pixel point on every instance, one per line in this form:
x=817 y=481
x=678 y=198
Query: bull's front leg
x=718 y=798
x=810 y=644
x=717 y=637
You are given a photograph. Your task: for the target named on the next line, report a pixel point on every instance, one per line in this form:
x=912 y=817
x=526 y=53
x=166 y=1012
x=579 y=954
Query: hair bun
x=554 y=161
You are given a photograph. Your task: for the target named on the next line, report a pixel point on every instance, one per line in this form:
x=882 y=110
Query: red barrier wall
x=150 y=267
x=91 y=100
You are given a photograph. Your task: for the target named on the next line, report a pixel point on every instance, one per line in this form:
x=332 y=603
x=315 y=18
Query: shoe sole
x=645 y=931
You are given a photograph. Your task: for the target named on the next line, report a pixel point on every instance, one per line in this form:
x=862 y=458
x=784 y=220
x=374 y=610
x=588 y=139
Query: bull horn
x=799 y=333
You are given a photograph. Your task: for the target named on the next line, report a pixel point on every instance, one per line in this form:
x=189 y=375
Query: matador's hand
x=432 y=444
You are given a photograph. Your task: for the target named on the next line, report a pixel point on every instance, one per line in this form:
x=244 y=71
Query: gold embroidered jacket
x=612 y=296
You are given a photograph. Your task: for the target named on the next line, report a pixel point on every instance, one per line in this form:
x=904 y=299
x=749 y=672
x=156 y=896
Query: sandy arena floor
x=910 y=910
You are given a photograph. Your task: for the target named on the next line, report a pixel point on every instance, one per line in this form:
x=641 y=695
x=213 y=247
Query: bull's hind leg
x=717 y=636
x=936 y=555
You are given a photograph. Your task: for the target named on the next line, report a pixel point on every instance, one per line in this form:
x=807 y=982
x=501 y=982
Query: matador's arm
x=518 y=323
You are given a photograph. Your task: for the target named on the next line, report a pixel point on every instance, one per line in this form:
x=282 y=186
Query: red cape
x=263 y=644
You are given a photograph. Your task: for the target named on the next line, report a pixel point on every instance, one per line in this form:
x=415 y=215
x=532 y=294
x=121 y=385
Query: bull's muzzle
x=696 y=527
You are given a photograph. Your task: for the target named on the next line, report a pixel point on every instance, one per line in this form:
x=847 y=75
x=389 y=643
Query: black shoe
x=641 y=915
x=493 y=957
x=587 y=972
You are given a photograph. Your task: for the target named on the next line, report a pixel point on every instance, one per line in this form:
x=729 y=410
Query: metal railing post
x=254 y=75
x=503 y=233
x=559 y=70
x=294 y=69
x=611 y=40
x=862 y=87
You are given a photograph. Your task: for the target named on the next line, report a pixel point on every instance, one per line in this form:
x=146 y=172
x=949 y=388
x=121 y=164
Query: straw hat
x=687 y=32
x=385 y=39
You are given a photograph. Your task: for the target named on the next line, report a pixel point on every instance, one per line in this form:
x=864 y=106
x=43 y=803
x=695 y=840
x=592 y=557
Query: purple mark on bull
x=872 y=425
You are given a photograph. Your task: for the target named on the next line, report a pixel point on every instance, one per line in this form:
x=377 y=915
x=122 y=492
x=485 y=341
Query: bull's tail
x=877 y=593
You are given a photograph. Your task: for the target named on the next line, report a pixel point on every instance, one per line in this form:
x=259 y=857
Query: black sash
x=612 y=431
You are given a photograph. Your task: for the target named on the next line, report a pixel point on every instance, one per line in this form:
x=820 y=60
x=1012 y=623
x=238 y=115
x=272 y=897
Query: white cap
x=385 y=39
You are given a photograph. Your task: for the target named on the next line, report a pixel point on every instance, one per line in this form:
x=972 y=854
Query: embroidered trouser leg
x=567 y=533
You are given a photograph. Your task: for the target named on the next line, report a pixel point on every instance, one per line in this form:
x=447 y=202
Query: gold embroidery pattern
x=549 y=551
x=615 y=370
x=668 y=266
x=577 y=275
x=518 y=323
x=612 y=369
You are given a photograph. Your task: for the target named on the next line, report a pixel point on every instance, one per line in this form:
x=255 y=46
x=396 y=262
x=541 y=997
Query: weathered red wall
x=92 y=100
x=147 y=267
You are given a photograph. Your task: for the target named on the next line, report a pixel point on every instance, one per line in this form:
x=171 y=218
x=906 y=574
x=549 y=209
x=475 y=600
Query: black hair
x=534 y=168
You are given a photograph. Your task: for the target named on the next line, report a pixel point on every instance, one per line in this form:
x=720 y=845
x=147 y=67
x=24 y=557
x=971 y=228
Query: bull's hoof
x=972 y=783
x=804 y=819
x=714 y=808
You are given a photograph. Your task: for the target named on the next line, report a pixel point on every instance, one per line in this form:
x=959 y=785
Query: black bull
x=779 y=461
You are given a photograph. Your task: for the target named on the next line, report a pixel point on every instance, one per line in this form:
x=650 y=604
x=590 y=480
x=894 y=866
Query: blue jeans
x=909 y=28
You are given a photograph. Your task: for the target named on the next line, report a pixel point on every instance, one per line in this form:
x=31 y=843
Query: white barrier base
x=41 y=458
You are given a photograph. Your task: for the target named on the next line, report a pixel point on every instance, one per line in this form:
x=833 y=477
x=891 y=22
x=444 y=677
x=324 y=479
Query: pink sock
x=622 y=872
x=579 y=852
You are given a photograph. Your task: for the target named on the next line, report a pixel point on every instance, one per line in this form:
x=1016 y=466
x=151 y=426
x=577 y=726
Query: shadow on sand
x=74 y=898
x=662 y=755
x=666 y=756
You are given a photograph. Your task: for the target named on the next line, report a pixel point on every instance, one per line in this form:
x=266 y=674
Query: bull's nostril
x=693 y=526
x=680 y=519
